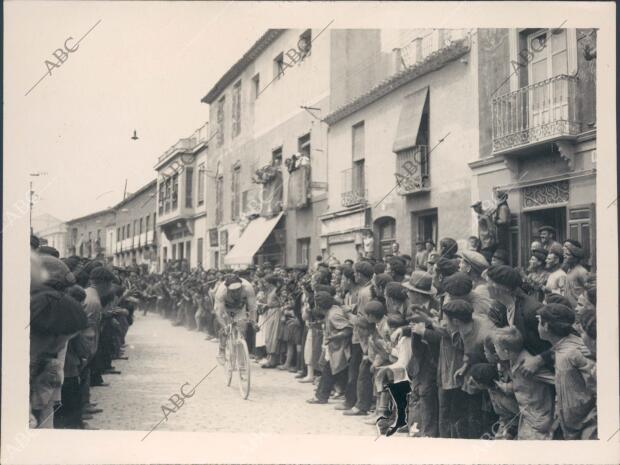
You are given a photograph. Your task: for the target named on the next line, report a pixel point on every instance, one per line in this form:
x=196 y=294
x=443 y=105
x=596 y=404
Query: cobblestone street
x=163 y=357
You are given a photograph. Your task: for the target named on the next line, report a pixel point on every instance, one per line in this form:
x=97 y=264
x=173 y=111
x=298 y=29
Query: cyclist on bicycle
x=234 y=299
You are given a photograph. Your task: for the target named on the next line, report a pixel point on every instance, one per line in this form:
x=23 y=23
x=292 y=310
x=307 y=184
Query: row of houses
x=319 y=140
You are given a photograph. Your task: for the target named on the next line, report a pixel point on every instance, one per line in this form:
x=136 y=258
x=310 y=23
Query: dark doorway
x=555 y=217
x=385 y=229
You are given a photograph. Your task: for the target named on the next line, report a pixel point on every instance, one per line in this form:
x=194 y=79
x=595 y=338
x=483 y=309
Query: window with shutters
x=276 y=157
x=303 y=251
x=581 y=228
x=161 y=197
x=220 y=121
x=358 y=142
x=219 y=199
x=199 y=246
x=236 y=192
x=256 y=85
x=201 y=184
x=175 y=191
x=189 y=186
x=303 y=145
x=236 y=109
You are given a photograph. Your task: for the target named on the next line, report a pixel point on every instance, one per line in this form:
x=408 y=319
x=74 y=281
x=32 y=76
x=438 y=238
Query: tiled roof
x=432 y=63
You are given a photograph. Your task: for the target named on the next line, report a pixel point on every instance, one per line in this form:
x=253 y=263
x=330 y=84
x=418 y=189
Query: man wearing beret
x=537 y=275
x=505 y=286
x=460 y=286
x=364 y=272
x=54 y=317
x=474 y=330
x=397 y=269
x=337 y=346
x=575 y=381
x=556 y=281
x=47 y=250
x=500 y=257
x=100 y=288
x=576 y=274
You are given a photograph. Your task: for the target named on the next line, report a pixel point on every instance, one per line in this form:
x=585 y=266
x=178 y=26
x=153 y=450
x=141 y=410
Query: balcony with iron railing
x=353 y=189
x=536 y=113
x=413 y=170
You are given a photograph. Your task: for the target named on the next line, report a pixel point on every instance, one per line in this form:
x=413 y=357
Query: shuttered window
x=358 y=142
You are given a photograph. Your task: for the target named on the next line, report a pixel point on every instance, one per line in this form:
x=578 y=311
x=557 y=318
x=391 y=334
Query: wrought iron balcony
x=353 y=191
x=540 y=112
x=413 y=170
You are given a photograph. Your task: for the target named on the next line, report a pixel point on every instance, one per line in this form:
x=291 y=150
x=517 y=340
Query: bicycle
x=237 y=358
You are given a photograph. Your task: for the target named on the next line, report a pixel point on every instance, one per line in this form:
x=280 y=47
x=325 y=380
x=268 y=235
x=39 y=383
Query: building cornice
x=235 y=70
x=432 y=63
x=92 y=215
x=129 y=198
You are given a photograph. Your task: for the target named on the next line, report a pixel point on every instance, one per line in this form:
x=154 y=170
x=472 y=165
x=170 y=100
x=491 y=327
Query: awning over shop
x=251 y=240
x=409 y=121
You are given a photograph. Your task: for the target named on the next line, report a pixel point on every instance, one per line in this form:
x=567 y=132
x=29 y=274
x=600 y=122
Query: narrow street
x=163 y=357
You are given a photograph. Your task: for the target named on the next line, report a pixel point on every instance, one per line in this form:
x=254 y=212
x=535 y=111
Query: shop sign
x=339 y=238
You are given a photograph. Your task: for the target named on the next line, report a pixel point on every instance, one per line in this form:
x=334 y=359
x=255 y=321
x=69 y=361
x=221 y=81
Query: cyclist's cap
x=234 y=286
x=232 y=279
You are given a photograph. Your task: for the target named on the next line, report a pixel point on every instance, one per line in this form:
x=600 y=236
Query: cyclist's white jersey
x=250 y=300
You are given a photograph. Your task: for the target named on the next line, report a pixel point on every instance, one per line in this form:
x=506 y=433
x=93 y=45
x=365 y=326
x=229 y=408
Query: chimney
x=397 y=61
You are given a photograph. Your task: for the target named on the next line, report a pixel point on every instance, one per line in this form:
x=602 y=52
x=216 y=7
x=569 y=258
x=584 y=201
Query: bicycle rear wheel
x=243 y=367
x=230 y=361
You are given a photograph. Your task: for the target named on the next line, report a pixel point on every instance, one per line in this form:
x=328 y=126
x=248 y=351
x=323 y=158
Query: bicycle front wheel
x=229 y=366
x=243 y=367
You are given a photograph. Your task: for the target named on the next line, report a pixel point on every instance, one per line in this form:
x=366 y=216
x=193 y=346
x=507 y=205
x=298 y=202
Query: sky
x=144 y=66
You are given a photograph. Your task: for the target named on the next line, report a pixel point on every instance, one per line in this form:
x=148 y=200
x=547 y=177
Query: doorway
x=555 y=217
x=385 y=228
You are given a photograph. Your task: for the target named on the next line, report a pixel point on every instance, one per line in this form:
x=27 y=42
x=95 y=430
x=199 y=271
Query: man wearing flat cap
x=547 y=236
x=474 y=264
